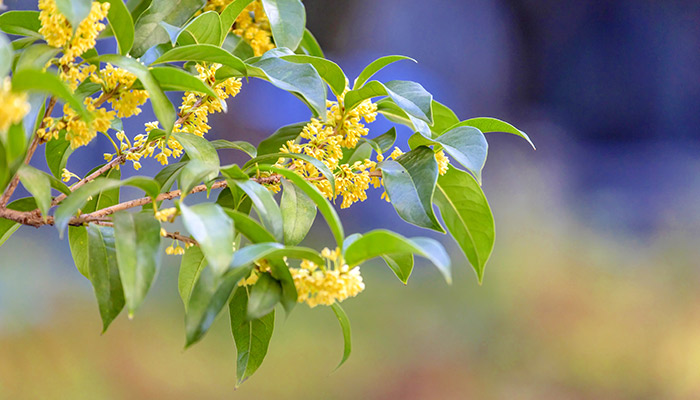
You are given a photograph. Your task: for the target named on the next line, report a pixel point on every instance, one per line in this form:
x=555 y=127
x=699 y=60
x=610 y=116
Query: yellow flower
x=166 y=214
x=66 y=175
x=117 y=82
x=324 y=286
x=442 y=161
x=253 y=26
x=13 y=106
x=74 y=75
x=79 y=132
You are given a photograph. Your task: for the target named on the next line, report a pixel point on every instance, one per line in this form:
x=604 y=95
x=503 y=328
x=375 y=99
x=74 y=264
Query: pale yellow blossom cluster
x=252 y=25
x=117 y=83
x=58 y=32
x=326 y=285
x=261 y=266
x=13 y=106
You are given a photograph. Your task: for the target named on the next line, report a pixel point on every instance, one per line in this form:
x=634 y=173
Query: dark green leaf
x=410 y=183
x=104 y=273
x=194 y=172
x=323 y=168
x=298 y=213
x=249 y=227
x=468 y=217
x=122 y=25
x=273 y=143
x=488 y=125
x=167 y=176
x=24 y=23
x=264 y=295
x=264 y=203
x=202 y=53
x=260 y=251
x=176 y=79
x=213 y=229
x=38 y=184
x=148 y=31
x=74 y=10
x=252 y=337
x=329 y=71
x=345 y=326
x=191 y=266
x=287 y=20
x=375 y=66
x=138 y=253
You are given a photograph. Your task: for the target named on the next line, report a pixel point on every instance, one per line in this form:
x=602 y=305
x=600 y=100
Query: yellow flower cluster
x=66 y=175
x=78 y=131
x=325 y=141
x=318 y=285
x=117 y=82
x=175 y=249
x=260 y=267
x=166 y=214
x=254 y=27
x=58 y=32
x=13 y=106
x=442 y=161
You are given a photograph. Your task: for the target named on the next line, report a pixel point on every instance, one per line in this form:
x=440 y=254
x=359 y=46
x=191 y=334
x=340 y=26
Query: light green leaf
x=30 y=80
x=298 y=213
x=213 y=229
x=309 y=45
x=238 y=145
x=175 y=79
x=347 y=336
x=148 y=31
x=323 y=168
x=39 y=185
x=35 y=57
x=104 y=273
x=255 y=252
x=264 y=295
x=138 y=253
x=275 y=141
x=252 y=337
x=191 y=266
x=231 y=13
x=329 y=71
x=287 y=20
x=488 y=125
x=204 y=29
x=6 y=55
x=122 y=25
x=381 y=243
x=74 y=10
x=23 y=23
x=9 y=227
x=194 y=172
x=264 y=204
x=410 y=183
x=443 y=118
x=376 y=66
x=198 y=148
x=401 y=264
x=467 y=215
x=202 y=53
x=249 y=227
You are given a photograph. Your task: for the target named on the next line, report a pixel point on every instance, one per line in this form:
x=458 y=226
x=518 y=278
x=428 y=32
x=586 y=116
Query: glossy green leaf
x=488 y=125
x=137 y=238
x=204 y=29
x=209 y=296
x=39 y=185
x=410 y=183
x=122 y=25
x=24 y=23
x=6 y=55
x=329 y=71
x=202 y=53
x=104 y=273
x=347 y=336
x=238 y=145
x=249 y=227
x=274 y=142
x=238 y=47
x=264 y=296
x=75 y=11
x=30 y=80
x=264 y=204
x=35 y=57
x=401 y=264
x=193 y=173
x=381 y=243
x=170 y=78
x=213 y=229
x=8 y=227
x=255 y=252
x=323 y=168
x=231 y=12
x=162 y=107
x=298 y=213
x=376 y=66
x=148 y=31
x=198 y=148
x=191 y=266
x=328 y=212
x=287 y=21
x=252 y=337
x=443 y=118
x=166 y=177
x=467 y=215
x=309 y=45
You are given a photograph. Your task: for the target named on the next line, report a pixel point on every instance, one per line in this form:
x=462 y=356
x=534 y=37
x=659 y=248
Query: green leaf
x=309 y=45
x=170 y=78
x=401 y=264
x=204 y=29
x=202 y=53
x=375 y=66
x=443 y=118
x=380 y=243
x=410 y=183
x=249 y=227
x=287 y=20
x=194 y=172
x=300 y=79
x=6 y=55
x=148 y=31
x=345 y=326
x=252 y=337
x=104 y=273
x=122 y=25
x=209 y=296
x=238 y=145
x=9 y=227
x=323 y=168
x=35 y=56
x=323 y=205
x=255 y=252
x=467 y=215
x=264 y=295
x=162 y=107
x=30 y=80
x=238 y=47
x=329 y=71
x=386 y=140
x=298 y=213
x=264 y=203
x=273 y=143
x=488 y=125
x=138 y=253
x=167 y=176
x=191 y=266
x=231 y=13
x=198 y=148
x=23 y=23
x=74 y=10
x=213 y=229
x=38 y=184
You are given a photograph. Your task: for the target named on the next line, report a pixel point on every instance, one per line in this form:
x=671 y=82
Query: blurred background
x=592 y=291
